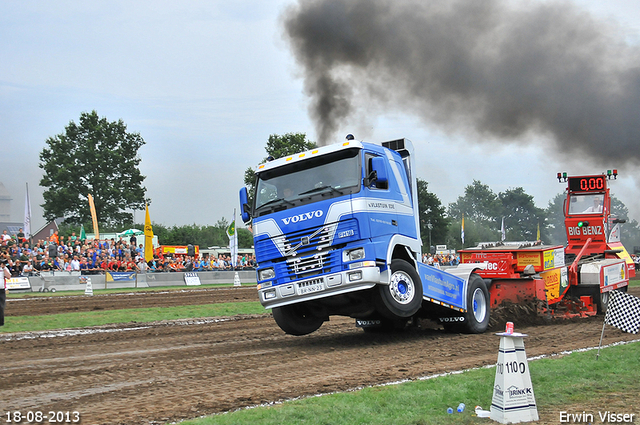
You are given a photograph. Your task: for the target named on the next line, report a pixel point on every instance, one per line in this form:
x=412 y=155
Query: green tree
x=521 y=216
x=245 y=238
x=483 y=213
x=432 y=213
x=479 y=204
x=203 y=236
x=277 y=147
x=94 y=157
x=480 y=207
x=473 y=233
x=556 y=234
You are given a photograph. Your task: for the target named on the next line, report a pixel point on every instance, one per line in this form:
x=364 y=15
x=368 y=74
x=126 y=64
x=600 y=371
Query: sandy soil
x=167 y=371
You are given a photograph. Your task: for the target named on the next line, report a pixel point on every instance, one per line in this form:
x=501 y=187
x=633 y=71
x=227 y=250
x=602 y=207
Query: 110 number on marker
x=511 y=367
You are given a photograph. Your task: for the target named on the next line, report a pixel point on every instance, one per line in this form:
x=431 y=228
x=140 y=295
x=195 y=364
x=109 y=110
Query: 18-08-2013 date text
x=40 y=417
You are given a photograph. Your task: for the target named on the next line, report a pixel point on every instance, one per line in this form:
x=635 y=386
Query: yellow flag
x=94 y=217
x=538 y=236
x=148 y=237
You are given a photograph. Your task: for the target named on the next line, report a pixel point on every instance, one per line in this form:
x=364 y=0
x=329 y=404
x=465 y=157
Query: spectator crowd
x=99 y=256
x=441 y=259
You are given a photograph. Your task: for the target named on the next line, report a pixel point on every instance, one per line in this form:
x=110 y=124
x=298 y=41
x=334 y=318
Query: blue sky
x=205 y=83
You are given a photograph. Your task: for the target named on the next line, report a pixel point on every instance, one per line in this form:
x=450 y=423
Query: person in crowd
x=75 y=264
x=174 y=265
x=152 y=265
x=28 y=269
x=6 y=274
x=84 y=266
x=187 y=264
x=142 y=265
x=197 y=264
x=49 y=265
x=6 y=237
x=130 y=265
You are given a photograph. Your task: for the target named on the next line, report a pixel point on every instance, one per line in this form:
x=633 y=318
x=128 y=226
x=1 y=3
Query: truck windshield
x=307 y=181
x=585 y=204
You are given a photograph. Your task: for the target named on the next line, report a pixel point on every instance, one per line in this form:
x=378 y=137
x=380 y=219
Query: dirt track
x=160 y=372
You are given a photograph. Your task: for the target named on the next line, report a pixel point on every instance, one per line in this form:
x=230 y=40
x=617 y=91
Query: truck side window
x=368 y=168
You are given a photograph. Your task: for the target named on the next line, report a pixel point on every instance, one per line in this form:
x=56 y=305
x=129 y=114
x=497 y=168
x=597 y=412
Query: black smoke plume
x=497 y=68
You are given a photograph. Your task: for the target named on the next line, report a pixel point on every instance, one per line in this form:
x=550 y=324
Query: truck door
x=381 y=210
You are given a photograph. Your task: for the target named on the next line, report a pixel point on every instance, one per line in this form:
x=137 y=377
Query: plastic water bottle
x=482 y=413
x=449 y=410
x=461 y=407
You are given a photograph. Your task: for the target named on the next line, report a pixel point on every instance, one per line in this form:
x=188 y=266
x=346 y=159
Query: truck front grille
x=303 y=266
x=308 y=252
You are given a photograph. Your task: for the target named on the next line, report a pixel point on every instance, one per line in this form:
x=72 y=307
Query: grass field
x=572 y=383
x=132 y=315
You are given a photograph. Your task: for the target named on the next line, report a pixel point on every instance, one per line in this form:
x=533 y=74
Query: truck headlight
x=356 y=254
x=265 y=274
x=355 y=276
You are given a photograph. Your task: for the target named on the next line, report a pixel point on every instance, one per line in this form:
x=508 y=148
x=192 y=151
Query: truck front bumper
x=319 y=287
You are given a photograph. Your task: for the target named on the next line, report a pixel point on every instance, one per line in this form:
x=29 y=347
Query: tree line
x=202 y=236
x=101 y=158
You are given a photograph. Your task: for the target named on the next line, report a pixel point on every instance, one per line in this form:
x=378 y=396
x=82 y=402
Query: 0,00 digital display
x=587 y=184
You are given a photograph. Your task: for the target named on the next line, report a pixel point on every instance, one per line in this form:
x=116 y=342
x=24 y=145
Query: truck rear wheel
x=297 y=319
x=402 y=297
x=476 y=318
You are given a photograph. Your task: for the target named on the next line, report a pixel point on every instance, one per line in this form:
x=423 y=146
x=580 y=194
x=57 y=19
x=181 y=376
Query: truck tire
x=402 y=297
x=476 y=318
x=297 y=319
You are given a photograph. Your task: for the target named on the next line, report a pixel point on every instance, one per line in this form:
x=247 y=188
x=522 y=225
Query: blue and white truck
x=336 y=232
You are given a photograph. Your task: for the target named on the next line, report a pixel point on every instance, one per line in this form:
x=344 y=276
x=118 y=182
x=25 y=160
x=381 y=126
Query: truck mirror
x=378 y=173
x=244 y=205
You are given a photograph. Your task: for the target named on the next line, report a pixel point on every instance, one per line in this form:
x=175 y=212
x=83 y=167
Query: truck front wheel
x=402 y=297
x=297 y=319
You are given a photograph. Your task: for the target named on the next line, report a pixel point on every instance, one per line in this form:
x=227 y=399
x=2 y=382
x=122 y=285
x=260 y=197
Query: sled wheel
x=297 y=319
x=601 y=300
x=402 y=297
